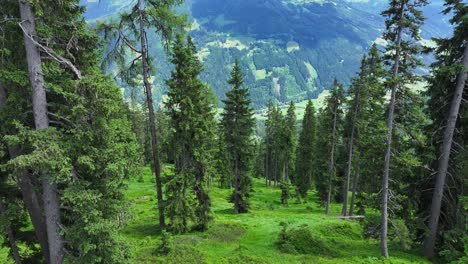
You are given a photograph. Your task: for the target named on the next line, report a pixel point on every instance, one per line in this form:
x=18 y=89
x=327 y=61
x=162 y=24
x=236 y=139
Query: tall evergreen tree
x=192 y=120
x=369 y=125
x=290 y=138
x=274 y=140
x=85 y=149
x=130 y=36
x=41 y=122
x=448 y=82
x=237 y=124
x=331 y=123
x=403 y=20
x=366 y=94
x=304 y=172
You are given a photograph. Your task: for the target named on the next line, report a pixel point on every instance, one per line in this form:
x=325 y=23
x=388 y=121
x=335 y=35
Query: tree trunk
x=11 y=237
x=29 y=194
x=355 y=182
x=266 y=166
x=443 y=163
x=275 y=171
x=41 y=121
x=350 y=160
x=331 y=168
x=152 y=118
x=388 y=150
x=237 y=185
x=32 y=201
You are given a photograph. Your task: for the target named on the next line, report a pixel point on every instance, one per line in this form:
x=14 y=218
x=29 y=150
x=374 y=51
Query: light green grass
x=259 y=231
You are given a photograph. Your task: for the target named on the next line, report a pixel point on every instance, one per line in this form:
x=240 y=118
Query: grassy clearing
x=252 y=237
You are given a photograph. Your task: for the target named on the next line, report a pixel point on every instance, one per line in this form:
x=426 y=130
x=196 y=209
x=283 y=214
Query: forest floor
x=252 y=237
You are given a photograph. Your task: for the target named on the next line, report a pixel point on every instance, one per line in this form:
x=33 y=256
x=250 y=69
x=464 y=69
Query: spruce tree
x=330 y=123
x=304 y=173
x=446 y=105
x=192 y=122
x=403 y=20
x=290 y=138
x=369 y=125
x=128 y=38
x=365 y=106
x=237 y=124
x=86 y=148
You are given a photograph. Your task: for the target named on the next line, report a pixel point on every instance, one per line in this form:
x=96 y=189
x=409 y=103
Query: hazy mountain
x=290 y=49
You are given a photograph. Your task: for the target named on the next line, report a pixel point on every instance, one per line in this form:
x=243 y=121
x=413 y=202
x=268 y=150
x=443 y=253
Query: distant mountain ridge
x=289 y=49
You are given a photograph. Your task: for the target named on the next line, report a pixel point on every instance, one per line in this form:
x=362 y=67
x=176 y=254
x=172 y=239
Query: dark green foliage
x=222 y=166
x=452 y=232
x=280 y=144
x=365 y=116
x=237 y=125
x=273 y=141
x=89 y=150
x=328 y=144
x=167 y=245
x=398 y=231
x=192 y=121
x=180 y=203
x=305 y=171
x=284 y=186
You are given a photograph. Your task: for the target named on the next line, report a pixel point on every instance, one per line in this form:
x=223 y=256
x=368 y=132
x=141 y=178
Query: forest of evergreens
x=88 y=176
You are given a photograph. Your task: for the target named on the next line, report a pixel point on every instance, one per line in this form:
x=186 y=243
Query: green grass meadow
x=252 y=237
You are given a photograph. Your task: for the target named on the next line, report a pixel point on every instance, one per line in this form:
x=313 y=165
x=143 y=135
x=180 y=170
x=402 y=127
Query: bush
x=397 y=231
x=300 y=240
x=226 y=232
x=455 y=247
x=401 y=234
x=371 y=226
x=166 y=245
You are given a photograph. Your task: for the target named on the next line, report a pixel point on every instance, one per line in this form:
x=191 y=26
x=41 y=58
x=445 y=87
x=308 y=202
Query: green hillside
x=290 y=50
x=252 y=237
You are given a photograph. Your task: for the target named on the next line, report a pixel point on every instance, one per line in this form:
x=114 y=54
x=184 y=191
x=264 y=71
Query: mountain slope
x=289 y=49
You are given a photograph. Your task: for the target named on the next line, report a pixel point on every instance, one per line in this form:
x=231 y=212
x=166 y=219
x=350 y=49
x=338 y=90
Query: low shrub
x=300 y=240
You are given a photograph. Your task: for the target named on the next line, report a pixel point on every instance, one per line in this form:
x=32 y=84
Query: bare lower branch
x=53 y=54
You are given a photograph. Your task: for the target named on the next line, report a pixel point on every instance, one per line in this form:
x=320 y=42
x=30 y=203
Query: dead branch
x=53 y=54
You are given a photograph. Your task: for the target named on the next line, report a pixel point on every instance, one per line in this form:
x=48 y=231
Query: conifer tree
x=274 y=139
x=366 y=98
x=403 y=20
x=448 y=83
x=41 y=122
x=129 y=35
x=270 y=139
x=330 y=122
x=290 y=138
x=192 y=120
x=369 y=125
x=237 y=124
x=304 y=172
x=86 y=148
